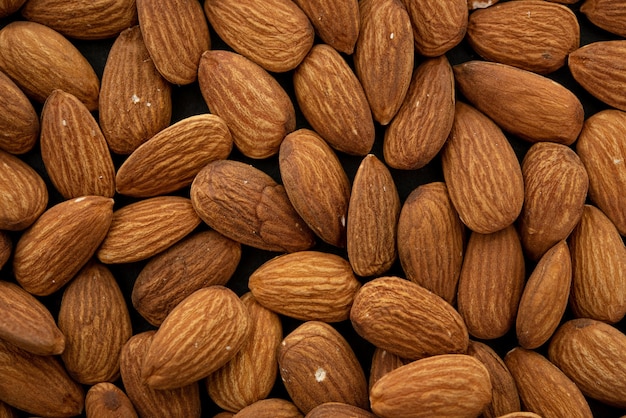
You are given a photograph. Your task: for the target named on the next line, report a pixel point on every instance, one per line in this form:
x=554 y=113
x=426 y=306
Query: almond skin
x=523 y=103
x=382 y=363
x=60 y=243
x=270 y=408
x=609 y=15
x=39 y=60
x=338 y=410
x=105 y=400
x=6 y=248
x=7 y=411
x=73 y=149
x=19 y=123
x=8 y=7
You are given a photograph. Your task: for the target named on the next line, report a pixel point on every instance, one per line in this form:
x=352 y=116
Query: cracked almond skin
x=105 y=400
x=39 y=60
x=246 y=205
x=270 y=408
x=405 y=319
x=523 y=103
x=609 y=15
x=533 y=35
x=19 y=123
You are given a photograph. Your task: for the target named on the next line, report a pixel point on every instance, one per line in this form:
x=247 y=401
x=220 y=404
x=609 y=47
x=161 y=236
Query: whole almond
x=23 y=193
x=147 y=227
x=181 y=402
x=73 y=149
x=451 y=385
x=338 y=410
x=482 y=172
x=176 y=34
x=203 y=259
x=317 y=365
x=60 y=243
x=382 y=363
x=83 y=19
x=383 y=59
x=40 y=59
x=6 y=248
x=428 y=216
x=555 y=189
x=333 y=101
x=248 y=206
x=171 y=159
x=529 y=34
x=373 y=215
x=8 y=7
x=270 y=408
x=27 y=323
x=609 y=15
x=405 y=319
x=7 y=411
x=523 y=103
x=135 y=100
x=19 y=123
x=429 y=104
x=256 y=108
x=275 y=34
x=316 y=184
x=105 y=400
x=306 y=285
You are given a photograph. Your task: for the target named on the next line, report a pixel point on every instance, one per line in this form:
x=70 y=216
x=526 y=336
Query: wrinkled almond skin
x=333 y=101
x=530 y=34
x=135 y=100
x=592 y=354
x=306 y=285
x=275 y=34
x=338 y=410
x=248 y=206
x=105 y=400
x=181 y=402
x=373 y=215
x=480 y=4
x=147 y=227
x=83 y=19
x=383 y=58
x=452 y=385
x=201 y=260
x=429 y=104
x=39 y=60
x=23 y=194
x=526 y=104
x=73 y=149
x=317 y=365
x=543 y=388
x=6 y=248
x=555 y=190
x=19 y=123
x=7 y=411
x=176 y=34
x=428 y=216
x=405 y=319
x=256 y=108
x=60 y=243
x=382 y=363
x=482 y=172
x=8 y=7
x=609 y=15
x=270 y=408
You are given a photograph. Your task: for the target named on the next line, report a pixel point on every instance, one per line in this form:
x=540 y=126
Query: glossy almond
x=270 y=408
x=19 y=124
x=171 y=159
x=482 y=172
x=60 y=243
x=609 y=15
x=147 y=227
x=258 y=111
x=403 y=318
x=73 y=149
x=338 y=410
x=40 y=60
x=105 y=400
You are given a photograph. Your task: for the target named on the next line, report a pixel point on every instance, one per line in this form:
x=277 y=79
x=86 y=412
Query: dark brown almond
x=105 y=400
x=19 y=123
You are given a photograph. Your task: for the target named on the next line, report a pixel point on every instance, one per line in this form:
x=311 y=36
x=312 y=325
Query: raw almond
x=60 y=243
x=521 y=415
x=338 y=410
x=256 y=108
x=482 y=172
x=480 y=4
x=270 y=408
x=147 y=227
x=6 y=248
x=8 y=7
x=523 y=103
x=40 y=59
x=7 y=411
x=609 y=15
x=105 y=400
x=382 y=363
x=19 y=123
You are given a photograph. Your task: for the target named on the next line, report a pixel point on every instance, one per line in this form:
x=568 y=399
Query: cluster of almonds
x=527 y=244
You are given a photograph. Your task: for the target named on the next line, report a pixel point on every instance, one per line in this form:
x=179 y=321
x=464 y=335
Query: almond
x=338 y=410
x=270 y=408
x=407 y=320
x=6 y=411
x=521 y=415
x=147 y=227
x=275 y=34
x=176 y=34
x=135 y=100
x=60 y=243
x=452 y=385
x=317 y=366
x=383 y=59
x=306 y=285
x=40 y=59
x=256 y=108
x=523 y=103
x=6 y=248
x=480 y=4
x=19 y=123
x=333 y=101
x=73 y=149
x=8 y=7
x=248 y=206
x=105 y=400
x=482 y=172
x=609 y=15
x=382 y=363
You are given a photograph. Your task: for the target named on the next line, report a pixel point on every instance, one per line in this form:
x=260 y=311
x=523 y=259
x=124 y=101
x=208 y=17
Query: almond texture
x=19 y=124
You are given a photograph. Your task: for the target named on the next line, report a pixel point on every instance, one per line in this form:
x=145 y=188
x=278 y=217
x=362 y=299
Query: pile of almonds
x=312 y=208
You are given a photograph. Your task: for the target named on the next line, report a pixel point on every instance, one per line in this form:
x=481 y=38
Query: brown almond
x=6 y=248
x=338 y=410
x=19 y=123
x=520 y=415
x=7 y=411
x=270 y=408
x=382 y=363
x=8 y=7
x=105 y=400
x=609 y=15
x=480 y=4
